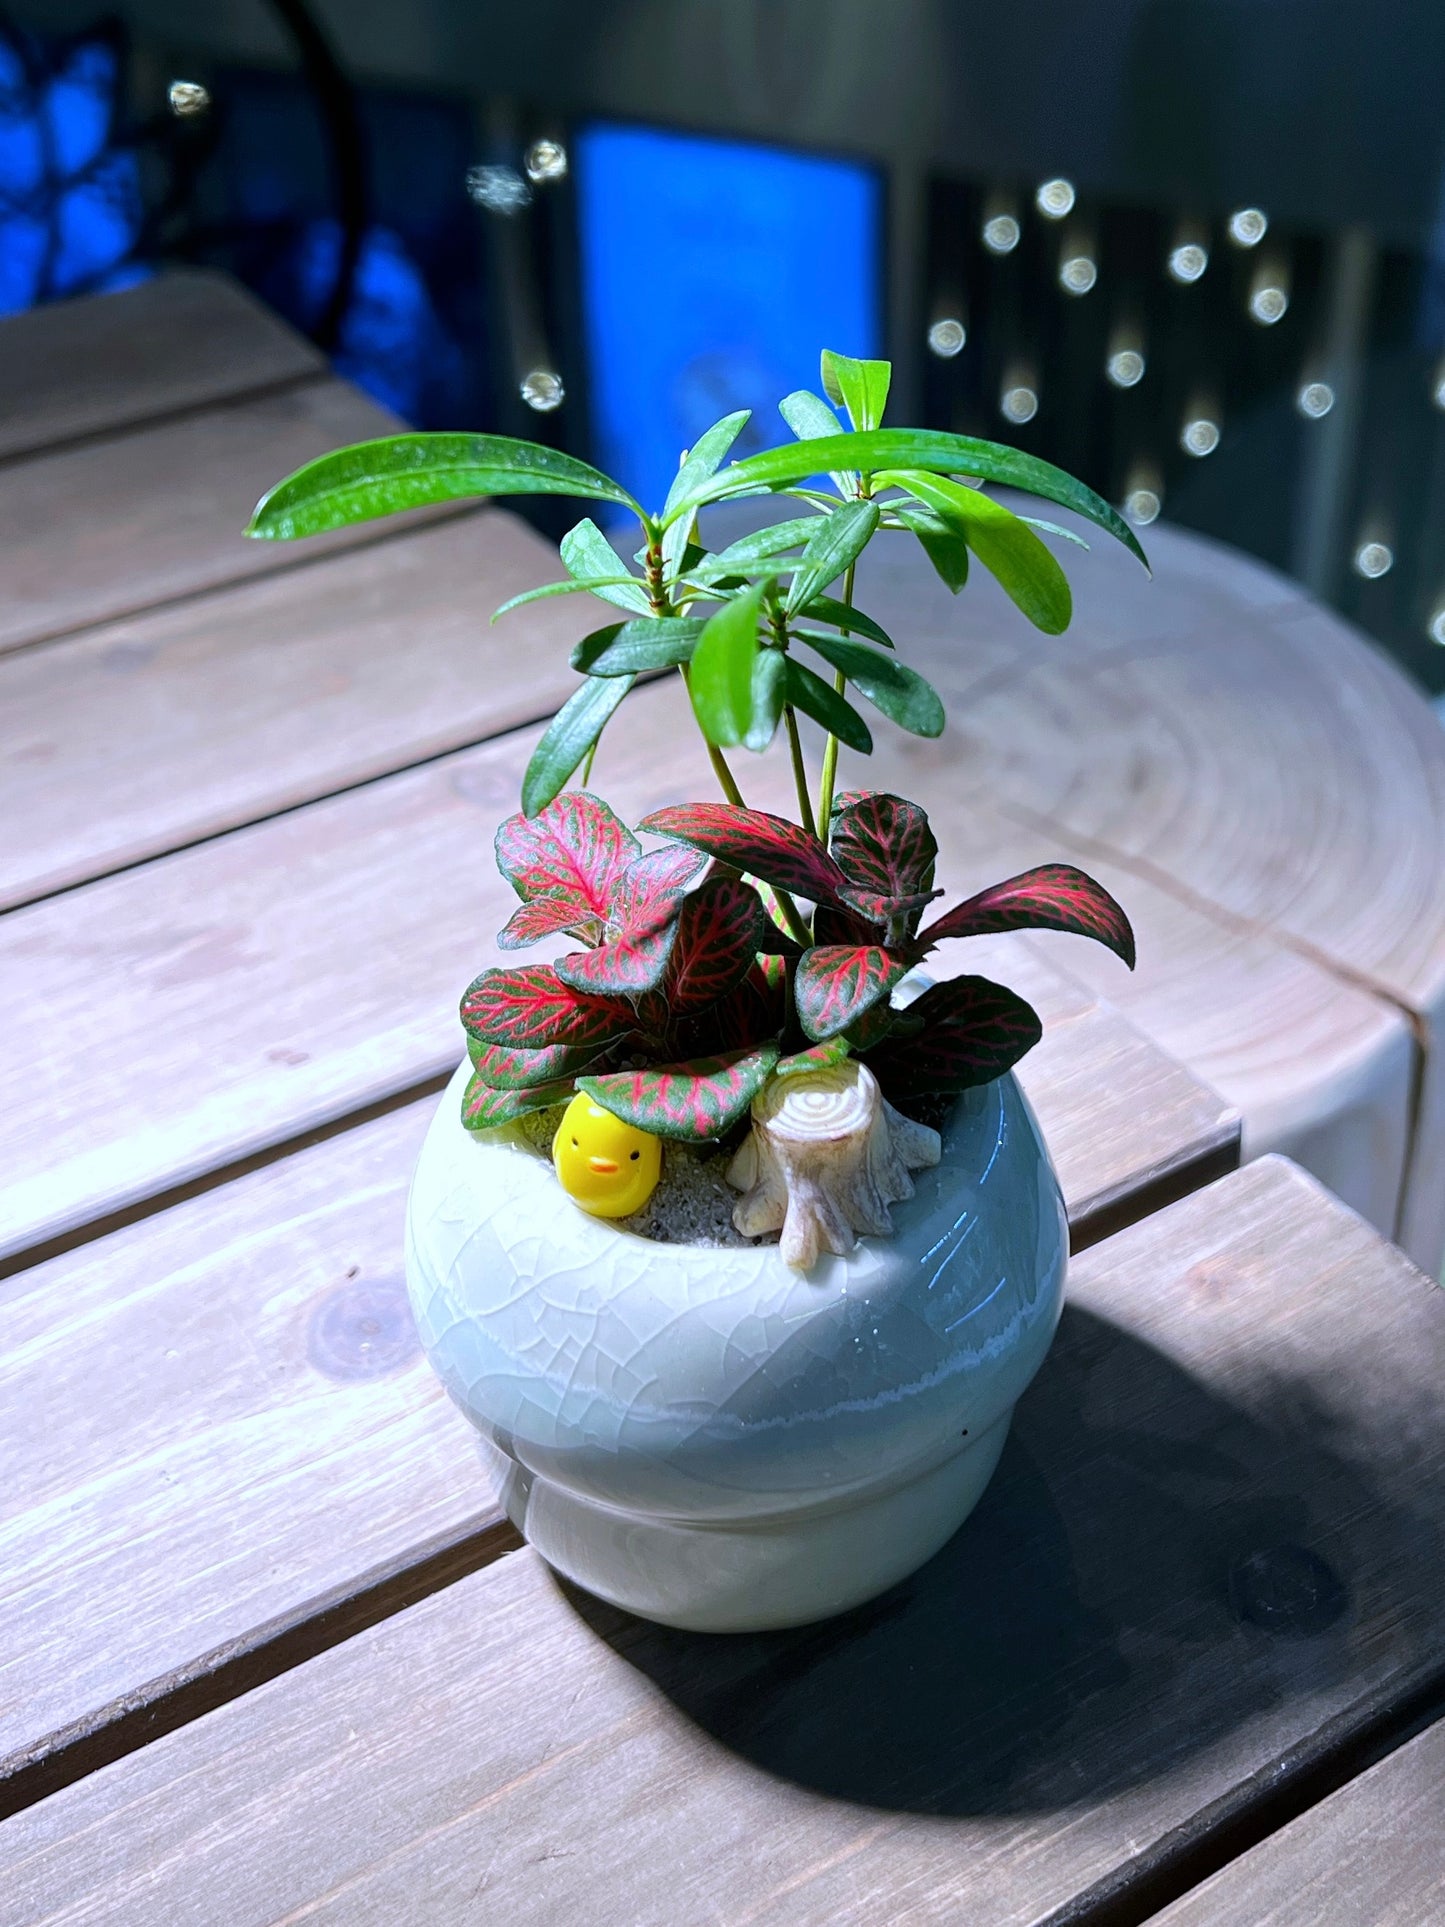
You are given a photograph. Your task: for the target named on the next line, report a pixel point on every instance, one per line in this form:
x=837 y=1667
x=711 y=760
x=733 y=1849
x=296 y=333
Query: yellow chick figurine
x=609 y=1167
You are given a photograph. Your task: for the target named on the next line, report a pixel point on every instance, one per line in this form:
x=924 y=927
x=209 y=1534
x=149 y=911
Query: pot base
x=755 y=1575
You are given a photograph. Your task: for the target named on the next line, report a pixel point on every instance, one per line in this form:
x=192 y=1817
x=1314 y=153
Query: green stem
x=800 y=773
x=830 y=748
x=585 y=778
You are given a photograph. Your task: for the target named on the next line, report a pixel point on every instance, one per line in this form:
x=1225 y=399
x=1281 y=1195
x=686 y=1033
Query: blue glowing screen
x=713 y=272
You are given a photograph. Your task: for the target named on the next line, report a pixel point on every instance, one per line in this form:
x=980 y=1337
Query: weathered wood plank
x=214 y=1426
x=183 y=339
x=261 y=1455
x=1214 y=1536
x=145 y=735
x=118 y=525
x=273 y=980
x=1369 y=1856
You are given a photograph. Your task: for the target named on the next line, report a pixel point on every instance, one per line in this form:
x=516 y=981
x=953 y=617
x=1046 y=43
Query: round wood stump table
x=1263 y=790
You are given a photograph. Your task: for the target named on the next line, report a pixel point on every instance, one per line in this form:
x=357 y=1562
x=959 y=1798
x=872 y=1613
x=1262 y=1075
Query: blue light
x=713 y=272
x=70 y=200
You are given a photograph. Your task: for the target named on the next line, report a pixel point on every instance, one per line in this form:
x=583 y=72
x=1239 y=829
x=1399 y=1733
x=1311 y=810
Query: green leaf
x=837 y=543
x=811 y=419
x=595 y=586
x=570 y=734
x=407 y=471
x=750 y=551
x=945 y=548
x=637 y=647
x=808 y=692
x=919 y=448
x=722 y=669
x=1028 y=572
x=590 y=557
x=1052 y=528
x=770 y=667
x=705 y=455
x=900 y=692
x=859 y=386
x=809 y=416
x=823 y=608
x=697 y=1100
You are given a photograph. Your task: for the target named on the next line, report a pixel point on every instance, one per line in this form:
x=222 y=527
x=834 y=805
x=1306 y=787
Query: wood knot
x=362 y=1329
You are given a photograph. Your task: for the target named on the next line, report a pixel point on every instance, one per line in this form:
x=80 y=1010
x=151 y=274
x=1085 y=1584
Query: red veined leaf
x=484 y=1108
x=521 y=1070
x=816 y=1059
x=699 y=1099
x=544 y=917
x=882 y=843
x=1055 y=896
x=834 y=923
x=719 y=933
x=531 y=1007
x=836 y=983
x=645 y=907
x=886 y=910
x=571 y=853
x=969 y=1031
x=764 y=845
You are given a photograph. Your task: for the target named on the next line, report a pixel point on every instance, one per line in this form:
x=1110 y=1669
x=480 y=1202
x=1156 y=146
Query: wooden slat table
x=257 y=788
x=1209 y=1561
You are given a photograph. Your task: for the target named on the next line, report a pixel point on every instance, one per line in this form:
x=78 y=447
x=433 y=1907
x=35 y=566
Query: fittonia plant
x=747 y=950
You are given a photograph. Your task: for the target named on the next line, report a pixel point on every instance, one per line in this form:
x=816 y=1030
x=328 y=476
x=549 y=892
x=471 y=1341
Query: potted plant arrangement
x=735 y=1235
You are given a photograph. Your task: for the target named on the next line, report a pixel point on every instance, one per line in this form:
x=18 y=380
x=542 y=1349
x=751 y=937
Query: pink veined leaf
x=721 y=928
x=835 y=923
x=819 y=1058
x=484 y=1108
x=694 y=1101
x=544 y=917
x=836 y=983
x=882 y=844
x=1055 y=896
x=765 y=846
x=531 y=1007
x=970 y=1031
x=574 y=851
x=884 y=910
x=646 y=902
x=519 y=1070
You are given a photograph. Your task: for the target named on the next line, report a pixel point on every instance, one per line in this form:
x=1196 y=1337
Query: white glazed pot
x=705 y=1436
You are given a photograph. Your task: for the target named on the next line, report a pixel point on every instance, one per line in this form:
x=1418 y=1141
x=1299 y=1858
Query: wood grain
x=1369 y=1856
x=144 y=735
x=260 y=1455
x=1213 y=1539
x=110 y=527
x=215 y=1425
x=270 y=981
x=183 y=339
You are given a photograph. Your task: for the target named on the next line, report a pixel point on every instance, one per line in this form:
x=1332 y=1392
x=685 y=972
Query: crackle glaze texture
x=712 y=1439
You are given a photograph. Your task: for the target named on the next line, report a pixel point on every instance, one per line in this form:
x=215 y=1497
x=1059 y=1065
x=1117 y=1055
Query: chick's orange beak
x=605 y=1167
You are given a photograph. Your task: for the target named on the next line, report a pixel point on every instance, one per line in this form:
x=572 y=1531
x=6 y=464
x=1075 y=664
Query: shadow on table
x=1151 y=1567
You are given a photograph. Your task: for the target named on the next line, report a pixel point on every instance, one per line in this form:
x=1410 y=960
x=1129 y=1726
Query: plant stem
x=585 y=778
x=830 y=748
x=800 y=774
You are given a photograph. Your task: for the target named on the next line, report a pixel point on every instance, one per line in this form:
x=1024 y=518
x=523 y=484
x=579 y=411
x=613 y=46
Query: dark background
x=1165 y=115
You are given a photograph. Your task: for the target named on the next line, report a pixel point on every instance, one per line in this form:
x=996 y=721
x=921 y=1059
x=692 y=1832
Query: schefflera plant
x=747 y=949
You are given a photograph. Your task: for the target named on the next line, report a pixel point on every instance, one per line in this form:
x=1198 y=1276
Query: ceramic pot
x=705 y=1436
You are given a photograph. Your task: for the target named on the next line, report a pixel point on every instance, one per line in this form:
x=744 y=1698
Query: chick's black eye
x=574 y=1144
x=635 y=1156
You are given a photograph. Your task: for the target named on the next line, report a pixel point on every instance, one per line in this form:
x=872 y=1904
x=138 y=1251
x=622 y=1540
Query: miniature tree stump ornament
x=826 y=1156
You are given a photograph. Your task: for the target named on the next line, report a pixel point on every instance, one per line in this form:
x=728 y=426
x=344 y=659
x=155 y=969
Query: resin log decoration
x=826 y=1156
